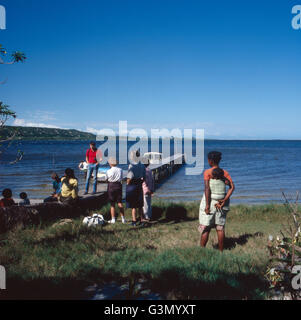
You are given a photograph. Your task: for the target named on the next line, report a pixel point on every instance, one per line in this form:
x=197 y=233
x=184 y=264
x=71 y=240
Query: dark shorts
x=134 y=196
x=51 y=199
x=68 y=200
x=115 y=192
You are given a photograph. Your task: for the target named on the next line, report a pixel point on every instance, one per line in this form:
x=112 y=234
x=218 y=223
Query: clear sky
x=230 y=67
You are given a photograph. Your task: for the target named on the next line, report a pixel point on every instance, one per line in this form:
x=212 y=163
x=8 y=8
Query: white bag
x=95 y=220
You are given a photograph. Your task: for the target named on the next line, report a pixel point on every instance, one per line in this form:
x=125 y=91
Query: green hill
x=34 y=133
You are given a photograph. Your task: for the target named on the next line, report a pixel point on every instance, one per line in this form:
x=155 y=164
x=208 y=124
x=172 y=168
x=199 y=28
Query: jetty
x=39 y=211
x=167 y=167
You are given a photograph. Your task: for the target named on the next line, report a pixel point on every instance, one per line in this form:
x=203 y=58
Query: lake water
x=260 y=170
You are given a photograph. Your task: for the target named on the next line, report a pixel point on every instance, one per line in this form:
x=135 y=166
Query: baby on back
x=215 y=202
x=218 y=184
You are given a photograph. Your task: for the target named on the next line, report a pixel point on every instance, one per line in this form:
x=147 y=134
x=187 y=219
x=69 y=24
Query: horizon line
x=117 y=136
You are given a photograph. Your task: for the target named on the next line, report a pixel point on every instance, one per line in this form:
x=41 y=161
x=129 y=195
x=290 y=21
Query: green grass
x=59 y=261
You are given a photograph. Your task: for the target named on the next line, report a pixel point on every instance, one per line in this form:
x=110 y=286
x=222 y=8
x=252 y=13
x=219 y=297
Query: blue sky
x=230 y=67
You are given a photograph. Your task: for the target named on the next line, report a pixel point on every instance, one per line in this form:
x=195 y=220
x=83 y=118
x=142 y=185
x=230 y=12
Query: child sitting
x=56 y=185
x=24 y=199
x=7 y=200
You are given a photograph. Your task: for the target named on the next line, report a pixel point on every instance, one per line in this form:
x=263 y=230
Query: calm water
x=260 y=170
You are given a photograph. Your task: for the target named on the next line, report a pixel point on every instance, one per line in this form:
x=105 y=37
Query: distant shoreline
x=44 y=134
x=55 y=134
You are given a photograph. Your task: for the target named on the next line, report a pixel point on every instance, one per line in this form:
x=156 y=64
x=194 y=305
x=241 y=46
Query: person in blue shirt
x=57 y=186
x=24 y=199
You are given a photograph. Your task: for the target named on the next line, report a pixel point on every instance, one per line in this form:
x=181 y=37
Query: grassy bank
x=59 y=261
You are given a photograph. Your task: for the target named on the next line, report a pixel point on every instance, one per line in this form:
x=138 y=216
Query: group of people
x=8 y=201
x=65 y=189
x=140 y=187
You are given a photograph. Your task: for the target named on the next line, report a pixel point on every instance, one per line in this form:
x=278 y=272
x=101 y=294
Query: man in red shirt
x=214 y=159
x=91 y=159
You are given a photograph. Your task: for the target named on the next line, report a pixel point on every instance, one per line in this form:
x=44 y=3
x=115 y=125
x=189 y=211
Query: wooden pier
x=161 y=171
x=167 y=167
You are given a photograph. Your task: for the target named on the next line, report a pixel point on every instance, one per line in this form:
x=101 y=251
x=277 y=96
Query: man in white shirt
x=114 y=176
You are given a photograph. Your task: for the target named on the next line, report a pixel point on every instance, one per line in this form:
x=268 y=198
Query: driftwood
x=35 y=214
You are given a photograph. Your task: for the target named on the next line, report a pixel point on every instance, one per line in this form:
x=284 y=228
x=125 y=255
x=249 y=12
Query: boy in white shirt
x=114 y=177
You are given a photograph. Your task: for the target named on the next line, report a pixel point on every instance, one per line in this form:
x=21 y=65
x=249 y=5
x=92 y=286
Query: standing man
x=92 y=162
x=134 y=192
